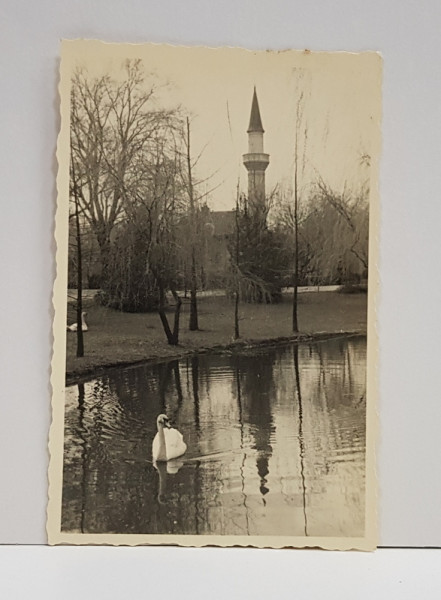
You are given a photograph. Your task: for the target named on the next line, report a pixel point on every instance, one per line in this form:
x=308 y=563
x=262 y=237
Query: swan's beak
x=167 y=424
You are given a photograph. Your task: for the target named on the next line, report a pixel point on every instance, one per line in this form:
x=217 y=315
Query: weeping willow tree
x=332 y=233
x=337 y=230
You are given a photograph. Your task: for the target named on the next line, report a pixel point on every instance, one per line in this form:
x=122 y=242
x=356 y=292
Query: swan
x=74 y=326
x=168 y=442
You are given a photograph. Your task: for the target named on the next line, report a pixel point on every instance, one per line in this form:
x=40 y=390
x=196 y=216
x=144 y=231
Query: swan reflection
x=164 y=469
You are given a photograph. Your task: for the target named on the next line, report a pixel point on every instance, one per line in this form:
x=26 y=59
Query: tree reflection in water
x=301 y=440
x=275 y=442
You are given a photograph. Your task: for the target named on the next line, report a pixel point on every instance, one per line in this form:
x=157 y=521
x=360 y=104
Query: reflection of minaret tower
x=256 y=161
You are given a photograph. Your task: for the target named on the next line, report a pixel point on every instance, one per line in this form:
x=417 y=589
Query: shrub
x=353 y=288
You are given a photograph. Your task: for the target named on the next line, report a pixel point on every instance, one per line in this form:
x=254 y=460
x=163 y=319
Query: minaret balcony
x=256 y=161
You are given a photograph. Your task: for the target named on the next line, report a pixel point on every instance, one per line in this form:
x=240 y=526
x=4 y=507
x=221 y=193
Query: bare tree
x=156 y=209
x=89 y=132
x=298 y=127
x=193 y=323
x=75 y=191
x=112 y=124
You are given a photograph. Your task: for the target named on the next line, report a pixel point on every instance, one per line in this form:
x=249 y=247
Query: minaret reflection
x=259 y=390
x=301 y=439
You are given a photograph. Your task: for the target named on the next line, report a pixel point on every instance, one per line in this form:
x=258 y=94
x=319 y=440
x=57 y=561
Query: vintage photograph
x=214 y=368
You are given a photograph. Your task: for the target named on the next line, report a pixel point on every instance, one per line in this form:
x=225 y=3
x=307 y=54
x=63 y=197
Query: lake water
x=275 y=436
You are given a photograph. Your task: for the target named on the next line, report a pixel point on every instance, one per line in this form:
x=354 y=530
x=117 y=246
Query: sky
x=340 y=109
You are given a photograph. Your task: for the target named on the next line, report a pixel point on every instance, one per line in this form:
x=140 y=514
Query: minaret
x=256 y=161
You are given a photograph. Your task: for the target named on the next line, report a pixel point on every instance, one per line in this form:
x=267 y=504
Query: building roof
x=255 y=119
x=223 y=221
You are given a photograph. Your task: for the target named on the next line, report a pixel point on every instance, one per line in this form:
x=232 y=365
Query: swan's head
x=163 y=421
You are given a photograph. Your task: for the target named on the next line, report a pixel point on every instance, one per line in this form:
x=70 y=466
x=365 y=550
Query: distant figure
x=168 y=443
x=74 y=326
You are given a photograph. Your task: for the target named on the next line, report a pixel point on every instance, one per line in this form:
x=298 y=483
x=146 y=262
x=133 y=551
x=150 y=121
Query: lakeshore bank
x=116 y=339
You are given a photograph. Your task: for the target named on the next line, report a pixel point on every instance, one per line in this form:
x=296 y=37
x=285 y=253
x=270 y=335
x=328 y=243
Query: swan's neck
x=83 y=320
x=162 y=452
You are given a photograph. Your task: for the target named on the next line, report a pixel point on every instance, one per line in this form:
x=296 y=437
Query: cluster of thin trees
x=316 y=239
x=132 y=187
x=135 y=201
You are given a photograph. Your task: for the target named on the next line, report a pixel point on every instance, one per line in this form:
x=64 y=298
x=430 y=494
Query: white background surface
x=409 y=324
x=215 y=574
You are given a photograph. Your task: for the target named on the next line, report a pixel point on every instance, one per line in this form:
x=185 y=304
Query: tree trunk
x=80 y=340
x=295 y=324
x=105 y=246
x=236 y=314
x=172 y=336
x=177 y=317
x=163 y=316
x=237 y=259
x=193 y=323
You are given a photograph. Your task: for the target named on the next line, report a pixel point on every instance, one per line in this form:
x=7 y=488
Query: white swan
x=74 y=326
x=168 y=443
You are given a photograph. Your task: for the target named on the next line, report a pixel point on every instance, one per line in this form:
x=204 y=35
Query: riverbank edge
x=79 y=375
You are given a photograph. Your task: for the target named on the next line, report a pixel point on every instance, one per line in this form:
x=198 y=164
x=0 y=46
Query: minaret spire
x=256 y=161
x=255 y=118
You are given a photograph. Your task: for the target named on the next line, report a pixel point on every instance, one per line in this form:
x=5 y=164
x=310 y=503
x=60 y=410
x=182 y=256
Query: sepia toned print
x=214 y=369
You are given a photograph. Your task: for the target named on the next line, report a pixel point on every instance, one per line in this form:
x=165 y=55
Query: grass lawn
x=121 y=338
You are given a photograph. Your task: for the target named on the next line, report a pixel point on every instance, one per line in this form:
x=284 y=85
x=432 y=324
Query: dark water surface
x=276 y=445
